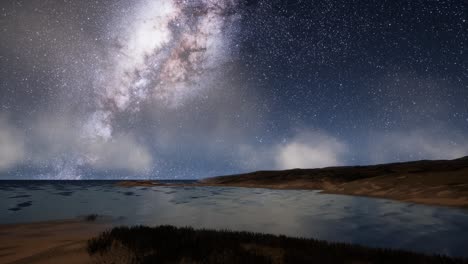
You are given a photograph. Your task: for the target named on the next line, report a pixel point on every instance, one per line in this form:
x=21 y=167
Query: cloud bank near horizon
x=55 y=143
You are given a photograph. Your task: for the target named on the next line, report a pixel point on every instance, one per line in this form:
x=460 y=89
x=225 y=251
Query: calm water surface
x=367 y=221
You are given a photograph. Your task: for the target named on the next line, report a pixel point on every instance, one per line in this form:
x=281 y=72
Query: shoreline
x=456 y=202
x=429 y=182
x=460 y=203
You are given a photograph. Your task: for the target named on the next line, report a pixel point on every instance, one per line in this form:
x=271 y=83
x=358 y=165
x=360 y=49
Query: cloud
x=122 y=152
x=310 y=149
x=255 y=158
x=306 y=149
x=57 y=143
x=12 y=147
x=419 y=143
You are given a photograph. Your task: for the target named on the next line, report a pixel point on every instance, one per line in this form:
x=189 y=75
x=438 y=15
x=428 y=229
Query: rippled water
x=367 y=221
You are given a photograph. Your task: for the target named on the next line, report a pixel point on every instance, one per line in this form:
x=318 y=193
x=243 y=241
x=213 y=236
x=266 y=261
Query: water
x=366 y=221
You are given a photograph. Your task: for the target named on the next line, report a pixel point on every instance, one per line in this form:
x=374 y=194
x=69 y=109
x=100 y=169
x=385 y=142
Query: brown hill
x=437 y=182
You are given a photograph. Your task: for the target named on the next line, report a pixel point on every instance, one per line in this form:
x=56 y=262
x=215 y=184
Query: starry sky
x=180 y=89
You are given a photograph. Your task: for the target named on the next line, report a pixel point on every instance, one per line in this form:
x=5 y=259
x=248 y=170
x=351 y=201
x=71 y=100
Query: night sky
x=194 y=88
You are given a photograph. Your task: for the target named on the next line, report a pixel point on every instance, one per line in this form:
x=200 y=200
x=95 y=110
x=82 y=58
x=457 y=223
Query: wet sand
x=48 y=242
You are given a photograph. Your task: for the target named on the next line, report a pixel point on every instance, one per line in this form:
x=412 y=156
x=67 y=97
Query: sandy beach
x=48 y=242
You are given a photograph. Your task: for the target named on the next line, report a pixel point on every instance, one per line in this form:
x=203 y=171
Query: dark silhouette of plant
x=91 y=217
x=168 y=244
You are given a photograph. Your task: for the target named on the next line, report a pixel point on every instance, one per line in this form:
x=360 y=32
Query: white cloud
x=58 y=143
x=306 y=149
x=310 y=150
x=120 y=152
x=12 y=147
x=415 y=144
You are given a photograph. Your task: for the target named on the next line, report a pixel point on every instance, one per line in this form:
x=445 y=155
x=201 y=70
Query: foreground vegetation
x=168 y=244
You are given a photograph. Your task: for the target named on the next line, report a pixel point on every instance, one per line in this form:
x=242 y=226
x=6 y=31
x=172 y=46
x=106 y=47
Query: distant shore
x=439 y=182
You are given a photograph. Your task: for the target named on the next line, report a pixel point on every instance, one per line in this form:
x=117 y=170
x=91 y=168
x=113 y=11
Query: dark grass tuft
x=91 y=217
x=168 y=244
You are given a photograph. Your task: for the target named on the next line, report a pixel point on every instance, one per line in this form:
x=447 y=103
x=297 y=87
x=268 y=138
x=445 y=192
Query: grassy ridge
x=168 y=244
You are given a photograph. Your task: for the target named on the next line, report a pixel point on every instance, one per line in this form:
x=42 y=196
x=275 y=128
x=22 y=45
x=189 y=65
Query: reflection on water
x=374 y=222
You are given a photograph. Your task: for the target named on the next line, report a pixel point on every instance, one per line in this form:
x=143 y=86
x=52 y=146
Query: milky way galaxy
x=167 y=53
x=196 y=88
